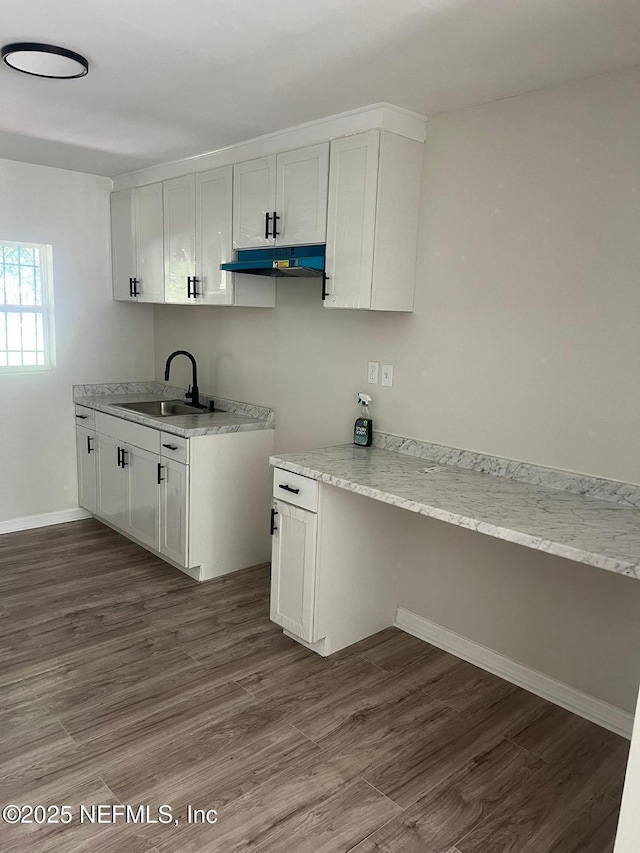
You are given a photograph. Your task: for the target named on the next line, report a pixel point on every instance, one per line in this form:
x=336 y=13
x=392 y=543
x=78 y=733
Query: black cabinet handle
x=194 y=282
x=325 y=292
x=171 y=446
x=289 y=489
x=275 y=232
x=119 y=457
x=160 y=477
x=89 y=440
x=273 y=527
x=133 y=287
x=124 y=461
x=267 y=217
x=188 y=287
x=82 y=417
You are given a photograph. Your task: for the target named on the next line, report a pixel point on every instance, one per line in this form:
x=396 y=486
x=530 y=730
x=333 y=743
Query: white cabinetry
x=293 y=569
x=332 y=563
x=137 y=244
x=179 y=238
x=200 y=503
x=174 y=510
x=372 y=221
x=281 y=200
x=197 y=239
x=86 y=457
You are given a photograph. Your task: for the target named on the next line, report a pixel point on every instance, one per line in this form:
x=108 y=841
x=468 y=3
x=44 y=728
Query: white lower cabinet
x=174 y=510
x=333 y=554
x=199 y=502
x=142 y=520
x=86 y=457
x=113 y=497
x=293 y=569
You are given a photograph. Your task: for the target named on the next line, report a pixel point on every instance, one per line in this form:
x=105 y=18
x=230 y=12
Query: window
x=26 y=329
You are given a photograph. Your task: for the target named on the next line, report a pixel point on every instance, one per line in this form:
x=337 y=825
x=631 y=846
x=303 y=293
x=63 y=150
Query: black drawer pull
x=89 y=440
x=82 y=417
x=119 y=457
x=267 y=217
x=289 y=489
x=171 y=446
x=274 y=512
x=160 y=477
x=275 y=232
x=124 y=461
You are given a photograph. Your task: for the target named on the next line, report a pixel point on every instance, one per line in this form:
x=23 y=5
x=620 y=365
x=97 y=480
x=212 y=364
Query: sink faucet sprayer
x=193 y=393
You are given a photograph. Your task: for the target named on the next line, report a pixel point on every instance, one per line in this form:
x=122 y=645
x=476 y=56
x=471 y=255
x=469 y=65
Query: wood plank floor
x=123 y=681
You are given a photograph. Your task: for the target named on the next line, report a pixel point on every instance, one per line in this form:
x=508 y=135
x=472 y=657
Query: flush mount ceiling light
x=44 y=60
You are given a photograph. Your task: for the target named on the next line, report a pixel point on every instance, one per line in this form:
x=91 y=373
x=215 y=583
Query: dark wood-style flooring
x=123 y=681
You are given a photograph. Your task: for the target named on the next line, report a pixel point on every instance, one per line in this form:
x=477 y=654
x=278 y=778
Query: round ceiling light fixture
x=44 y=60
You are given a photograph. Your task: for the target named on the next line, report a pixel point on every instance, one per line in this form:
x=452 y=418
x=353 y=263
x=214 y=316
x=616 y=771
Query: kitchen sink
x=161 y=408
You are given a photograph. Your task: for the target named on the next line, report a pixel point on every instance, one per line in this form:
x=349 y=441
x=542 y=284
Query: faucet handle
x=189 y=393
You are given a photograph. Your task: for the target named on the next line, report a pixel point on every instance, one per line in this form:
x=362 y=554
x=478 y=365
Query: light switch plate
x=387 y=375
x=373 y=373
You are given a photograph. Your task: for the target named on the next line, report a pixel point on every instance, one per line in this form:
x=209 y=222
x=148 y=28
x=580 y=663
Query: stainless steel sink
x=161 y=408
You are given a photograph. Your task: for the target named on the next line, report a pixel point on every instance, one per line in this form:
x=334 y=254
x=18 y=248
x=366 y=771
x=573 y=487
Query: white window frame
x=46 y=309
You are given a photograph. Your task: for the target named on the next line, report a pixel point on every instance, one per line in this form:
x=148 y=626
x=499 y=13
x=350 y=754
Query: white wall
x=524 y=343
x=628 y=837
x=97 y=340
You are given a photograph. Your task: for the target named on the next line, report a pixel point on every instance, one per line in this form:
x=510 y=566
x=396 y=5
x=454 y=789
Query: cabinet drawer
x=85 y=417
x=128 y=432
x=295 y=489
x=174 y=447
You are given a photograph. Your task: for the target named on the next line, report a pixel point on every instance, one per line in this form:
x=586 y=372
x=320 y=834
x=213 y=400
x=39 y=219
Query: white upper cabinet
x=197 y=239
x=123 y=244
x=179 y=238
x=149 y=238
x=281 y=200
x=372 y=221
x=214 y=197
x=254 y=202
x=302 y=179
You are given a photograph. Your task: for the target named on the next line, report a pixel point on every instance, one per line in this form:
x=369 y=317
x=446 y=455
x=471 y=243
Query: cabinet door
x=214 y=243
x=143 y=507
x=86 y=455
x=179 y=209
x=254 y=196
x=123 y=247
x=351 y=219
x=149 y=242
x=174 y=510
x=293 y=569
x=113 y=497
x=301 y=196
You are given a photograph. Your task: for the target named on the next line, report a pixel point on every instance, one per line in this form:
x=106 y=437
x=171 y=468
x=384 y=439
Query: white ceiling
x=173 y=79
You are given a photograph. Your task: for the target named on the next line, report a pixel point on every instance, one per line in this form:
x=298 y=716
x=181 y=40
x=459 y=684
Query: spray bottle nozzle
x=364 y=398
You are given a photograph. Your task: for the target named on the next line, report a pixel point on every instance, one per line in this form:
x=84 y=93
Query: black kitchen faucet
x=193 y=394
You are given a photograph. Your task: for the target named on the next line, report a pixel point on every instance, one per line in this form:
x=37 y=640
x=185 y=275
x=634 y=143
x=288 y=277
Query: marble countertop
x=588 y=530
x=230 y=415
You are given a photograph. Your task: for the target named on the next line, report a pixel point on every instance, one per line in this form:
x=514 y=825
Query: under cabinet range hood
x=300 y=261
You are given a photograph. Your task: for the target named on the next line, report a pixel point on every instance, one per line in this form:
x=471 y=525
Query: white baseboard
x=595 y=710
x=28 y=522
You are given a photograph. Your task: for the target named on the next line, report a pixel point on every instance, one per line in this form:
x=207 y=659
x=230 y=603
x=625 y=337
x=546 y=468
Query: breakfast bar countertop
x=579 y=527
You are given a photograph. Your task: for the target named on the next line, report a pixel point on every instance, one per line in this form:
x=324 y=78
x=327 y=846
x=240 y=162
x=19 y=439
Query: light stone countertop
x=233 y=416
x=585 y=529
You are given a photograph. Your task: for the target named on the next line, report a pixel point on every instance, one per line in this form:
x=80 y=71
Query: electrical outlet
x=373 y=373
x=387 y=375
